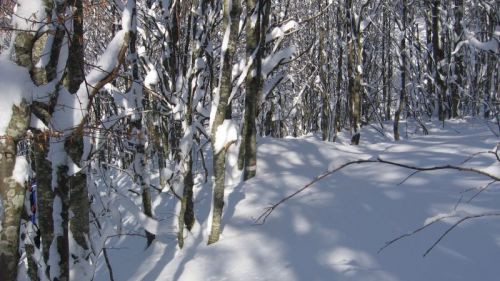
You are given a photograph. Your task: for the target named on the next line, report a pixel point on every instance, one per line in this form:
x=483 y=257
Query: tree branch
x=267 y=211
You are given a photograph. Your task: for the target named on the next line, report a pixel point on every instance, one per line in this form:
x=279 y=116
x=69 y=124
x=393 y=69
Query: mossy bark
x=12 y=193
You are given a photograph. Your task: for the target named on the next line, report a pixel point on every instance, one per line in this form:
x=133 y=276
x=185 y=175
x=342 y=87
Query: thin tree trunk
x=338 y=87
x=438 y=56
x=253 y=89
x=402 y=96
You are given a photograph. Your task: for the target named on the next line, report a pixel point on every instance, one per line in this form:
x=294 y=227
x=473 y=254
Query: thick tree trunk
x=12 y=193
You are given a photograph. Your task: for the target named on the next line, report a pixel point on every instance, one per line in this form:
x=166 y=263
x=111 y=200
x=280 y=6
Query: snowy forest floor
x=334 y=229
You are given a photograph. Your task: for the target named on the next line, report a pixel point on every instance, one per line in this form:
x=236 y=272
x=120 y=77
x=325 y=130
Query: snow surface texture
x=333 y=230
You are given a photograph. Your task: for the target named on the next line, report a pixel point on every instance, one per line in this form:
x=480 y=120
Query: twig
x=262 y=218
x=455 y=225
x=481 y=189
x=388 y=243
x=267 y=211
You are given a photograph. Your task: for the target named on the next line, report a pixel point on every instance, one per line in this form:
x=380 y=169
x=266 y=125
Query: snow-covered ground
x=334 y=229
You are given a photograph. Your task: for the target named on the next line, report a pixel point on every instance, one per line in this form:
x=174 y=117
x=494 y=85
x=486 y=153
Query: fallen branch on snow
x=262 y=218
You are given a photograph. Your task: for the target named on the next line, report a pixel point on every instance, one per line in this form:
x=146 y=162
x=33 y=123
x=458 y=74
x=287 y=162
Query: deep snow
x=334 y=229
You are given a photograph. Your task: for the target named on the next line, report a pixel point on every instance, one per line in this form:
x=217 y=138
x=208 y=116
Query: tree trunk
x=354 y=51
x=438 y=56
x=12 y=193
x=231 y=20
x=402 y=95
x=338 y=87
x=43 y=172
x=79 y=202
x=459 y=57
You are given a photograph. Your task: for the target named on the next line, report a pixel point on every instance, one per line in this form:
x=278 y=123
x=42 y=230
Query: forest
x=249 y=140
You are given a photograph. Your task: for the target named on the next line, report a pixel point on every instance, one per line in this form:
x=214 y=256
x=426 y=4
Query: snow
x=492 y=45
x=21 y=170
x=225 y=41
x=16 y=85
x=29 y=14
x=226 y=133
x=334 y=229
x=72 y=108
x=271 y=61
x=127 y=19
x=36 y=123
x=151 y=78
x=187 y=141
x=280 y=31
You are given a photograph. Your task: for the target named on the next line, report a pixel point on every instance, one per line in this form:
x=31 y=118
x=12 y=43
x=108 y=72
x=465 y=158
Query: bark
x=253 y=89
x=338 y=87
x=12 y=193
x=459 y=58
x=141 y=160
x=402 y=95
x=438 y=56
x=186 y=214
x=231 y=19
x=325 y=98
x=386 y=66
x=43 y=171
x=61 y=217
x=354 y=51
x=79 y=202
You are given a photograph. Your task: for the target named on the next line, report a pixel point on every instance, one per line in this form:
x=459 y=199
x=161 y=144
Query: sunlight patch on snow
x=301 y=224
x=394 y=194
x=346 y=260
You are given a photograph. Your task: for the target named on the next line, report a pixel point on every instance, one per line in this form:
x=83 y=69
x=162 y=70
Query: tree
x=220 y=107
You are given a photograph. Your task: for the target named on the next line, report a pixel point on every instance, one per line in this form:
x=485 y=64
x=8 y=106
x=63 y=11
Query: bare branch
x=262 y=218
x=455 y=225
